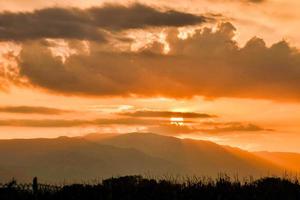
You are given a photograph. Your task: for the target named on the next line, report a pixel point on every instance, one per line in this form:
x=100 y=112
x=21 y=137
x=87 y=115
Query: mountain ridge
x=214 y=158
x=101 y=156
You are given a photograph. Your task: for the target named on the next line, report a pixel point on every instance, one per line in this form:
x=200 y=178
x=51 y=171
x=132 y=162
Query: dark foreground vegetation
x=139 y=188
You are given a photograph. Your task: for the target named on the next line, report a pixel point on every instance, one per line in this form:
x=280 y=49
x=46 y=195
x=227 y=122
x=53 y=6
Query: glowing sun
x=178 y=121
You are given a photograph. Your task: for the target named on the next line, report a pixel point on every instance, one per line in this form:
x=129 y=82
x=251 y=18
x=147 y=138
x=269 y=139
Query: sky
x=227 y=71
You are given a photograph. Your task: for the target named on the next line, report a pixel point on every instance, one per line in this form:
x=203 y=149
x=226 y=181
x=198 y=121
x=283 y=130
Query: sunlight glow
x=178 y=121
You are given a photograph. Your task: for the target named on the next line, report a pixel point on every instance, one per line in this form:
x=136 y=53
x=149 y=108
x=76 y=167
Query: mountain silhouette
x=197 y=157
x=74 y=159
x=97 y=156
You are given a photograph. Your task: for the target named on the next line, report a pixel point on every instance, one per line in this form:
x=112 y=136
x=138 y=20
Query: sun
x=178 y=121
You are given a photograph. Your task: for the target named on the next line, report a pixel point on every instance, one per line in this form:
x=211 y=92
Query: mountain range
x=97 y=156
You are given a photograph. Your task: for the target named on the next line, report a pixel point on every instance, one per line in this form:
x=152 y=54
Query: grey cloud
x=89 y=24
x=167 y=114
x=58 y=123
x=241 y=1
x=215 y=128
x=256 y=1
x=32 y=110
x=48 y=23
x=43 y=123
x=236 y=127
x=209 y=64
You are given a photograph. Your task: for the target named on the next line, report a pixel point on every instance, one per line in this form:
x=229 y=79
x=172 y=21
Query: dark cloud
x=241 y=1
x=215 y=128
x=89 y=24
x=210 y=64
x=166 y=114
x=32 y=110
x=48 y=23
x=234 y=127
x=58 y=123
x=43 y=123
x=141 y=16
x=256 y=1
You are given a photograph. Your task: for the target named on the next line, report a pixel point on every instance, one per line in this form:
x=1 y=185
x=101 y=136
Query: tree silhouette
x=139 y=188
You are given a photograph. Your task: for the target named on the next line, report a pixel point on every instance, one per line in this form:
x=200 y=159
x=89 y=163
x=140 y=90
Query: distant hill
x=74 y=159
x=198 y=157
x=288 y=161
x=101 y=156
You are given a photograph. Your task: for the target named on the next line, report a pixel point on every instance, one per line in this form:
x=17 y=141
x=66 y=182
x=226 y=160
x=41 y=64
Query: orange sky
x=230 y=69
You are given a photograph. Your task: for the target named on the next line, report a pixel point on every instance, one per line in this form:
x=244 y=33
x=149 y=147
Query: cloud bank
x=213 y=129
x=32 y=110
x=59 y=123
x=88 y=24
x=210 y=63
x=166 y=114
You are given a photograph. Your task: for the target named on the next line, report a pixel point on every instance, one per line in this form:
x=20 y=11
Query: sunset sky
x=221 y=70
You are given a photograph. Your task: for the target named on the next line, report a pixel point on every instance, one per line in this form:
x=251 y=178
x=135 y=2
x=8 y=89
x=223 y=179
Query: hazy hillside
x=74 y=159
x=288 y=161
x=198 y=157
x=101 y=156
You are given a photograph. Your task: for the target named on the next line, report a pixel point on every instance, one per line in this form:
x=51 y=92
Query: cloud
x=43 y=123
x=166 y=114
x=256 y=1
x=234 y=127
x=59 y=123
x=241 y=1
x=32 y=110
x=209 y=64
x=214 y=128
x=88 y=24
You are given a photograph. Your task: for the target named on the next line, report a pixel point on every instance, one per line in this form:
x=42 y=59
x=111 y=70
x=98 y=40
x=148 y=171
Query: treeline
x=139 y=188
